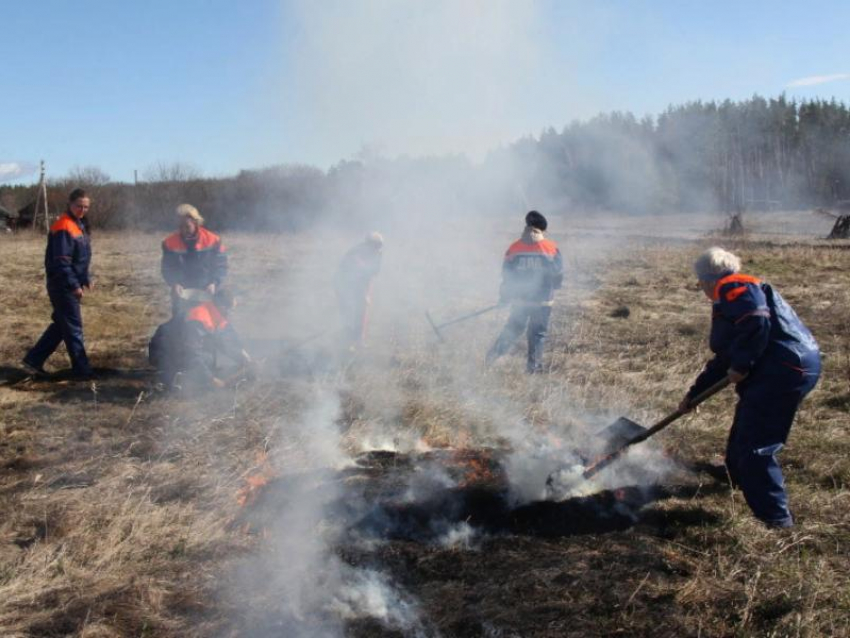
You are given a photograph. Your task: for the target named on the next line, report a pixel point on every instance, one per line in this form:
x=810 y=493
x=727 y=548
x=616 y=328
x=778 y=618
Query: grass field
x=119 y=508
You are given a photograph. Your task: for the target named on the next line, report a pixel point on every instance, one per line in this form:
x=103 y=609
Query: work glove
x=735 y=376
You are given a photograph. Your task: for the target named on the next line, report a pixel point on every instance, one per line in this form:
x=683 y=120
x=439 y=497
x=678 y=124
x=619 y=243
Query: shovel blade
x=619 y=433
x=562 y=481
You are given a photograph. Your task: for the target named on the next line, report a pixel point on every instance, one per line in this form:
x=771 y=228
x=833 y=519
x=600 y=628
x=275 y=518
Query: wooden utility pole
x=41 y=202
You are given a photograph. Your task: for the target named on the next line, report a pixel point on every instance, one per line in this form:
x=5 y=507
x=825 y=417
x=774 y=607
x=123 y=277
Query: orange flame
x=478 y=472
x=256 y=479
x=476 y=467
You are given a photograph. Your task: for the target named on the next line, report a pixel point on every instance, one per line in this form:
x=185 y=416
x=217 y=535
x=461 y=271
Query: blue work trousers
x=354 y=315
x=768 y=403
x=534 y=319
x=67 y=326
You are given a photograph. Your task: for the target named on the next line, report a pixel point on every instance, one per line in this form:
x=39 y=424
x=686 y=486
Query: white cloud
x=13 y=170
x=814 y=80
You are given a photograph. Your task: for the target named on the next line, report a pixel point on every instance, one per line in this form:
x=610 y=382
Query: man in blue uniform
x=67 y=265
x=760 y=343
x=531 y=272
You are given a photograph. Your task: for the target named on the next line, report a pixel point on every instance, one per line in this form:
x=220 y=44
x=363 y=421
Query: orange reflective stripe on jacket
x=205 y=241
x=208 y=316
x=65 y=223
x=733 y=294
x=174 y=242
x=734 y=279
x=544 y=247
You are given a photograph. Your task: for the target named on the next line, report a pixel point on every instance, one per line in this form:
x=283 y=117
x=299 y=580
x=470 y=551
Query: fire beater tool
x=472 y=315
x=639 y=433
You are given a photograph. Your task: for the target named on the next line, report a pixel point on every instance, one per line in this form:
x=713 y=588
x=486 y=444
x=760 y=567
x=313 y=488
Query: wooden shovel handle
x=676 y=414
x=663 y=423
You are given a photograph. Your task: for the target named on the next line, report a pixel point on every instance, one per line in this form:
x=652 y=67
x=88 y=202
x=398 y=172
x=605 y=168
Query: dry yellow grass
x=117 y=502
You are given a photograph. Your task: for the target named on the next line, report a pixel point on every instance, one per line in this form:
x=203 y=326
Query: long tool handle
x=434 y=326
x=675 y=415
x=300 y=344
x=663 y=423
x=469 y=316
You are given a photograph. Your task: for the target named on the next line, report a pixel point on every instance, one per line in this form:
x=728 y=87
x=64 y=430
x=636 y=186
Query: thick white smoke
x=300 y=584
x=424 y=78
x=408 y=79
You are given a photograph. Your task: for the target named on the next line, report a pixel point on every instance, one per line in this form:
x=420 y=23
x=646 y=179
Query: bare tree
x=88 y=176
x=173 y=172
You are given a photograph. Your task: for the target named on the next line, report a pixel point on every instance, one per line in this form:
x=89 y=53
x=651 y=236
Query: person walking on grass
x=353 y=284
x=764 y=348
x=532 y=271
x=194 y=261
x=66 y=263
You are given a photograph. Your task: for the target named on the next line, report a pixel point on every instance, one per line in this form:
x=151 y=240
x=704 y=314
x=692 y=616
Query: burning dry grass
x=121 y=513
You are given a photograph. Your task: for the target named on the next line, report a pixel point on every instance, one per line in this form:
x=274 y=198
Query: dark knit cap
x=536 y=220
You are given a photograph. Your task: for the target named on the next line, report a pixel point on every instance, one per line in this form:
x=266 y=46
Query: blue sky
x=231 y=85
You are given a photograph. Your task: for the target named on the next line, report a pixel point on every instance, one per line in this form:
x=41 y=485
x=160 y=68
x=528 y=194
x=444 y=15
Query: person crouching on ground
x=353 y=284
x=194 y=346
x=66 y=263
x=194 y=261
x=531 y=272
x=760 y=343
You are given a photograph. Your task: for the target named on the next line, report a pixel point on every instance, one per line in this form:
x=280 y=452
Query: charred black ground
x=481 y=499
x=420 y=497
x=411 y=502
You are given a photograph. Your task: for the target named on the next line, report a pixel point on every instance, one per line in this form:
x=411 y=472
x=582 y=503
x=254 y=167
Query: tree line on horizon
x=725 y=156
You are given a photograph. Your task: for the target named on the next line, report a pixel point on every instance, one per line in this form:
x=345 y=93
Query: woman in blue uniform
x=760 y=343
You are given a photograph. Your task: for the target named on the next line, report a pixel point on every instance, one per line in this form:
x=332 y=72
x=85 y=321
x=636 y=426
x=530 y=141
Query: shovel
x=637 y=433
x=472 y=315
